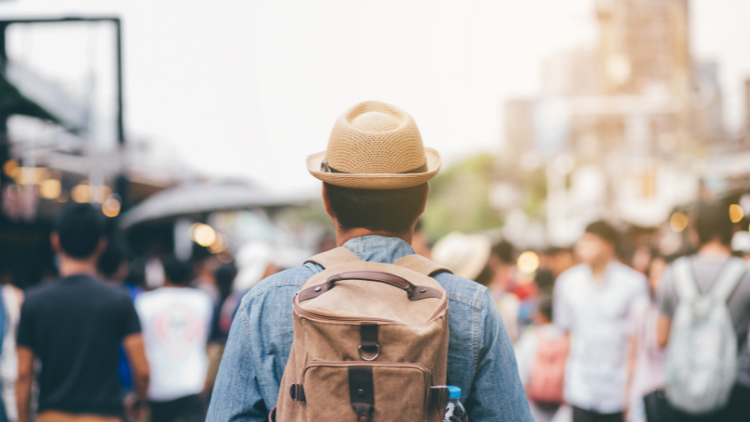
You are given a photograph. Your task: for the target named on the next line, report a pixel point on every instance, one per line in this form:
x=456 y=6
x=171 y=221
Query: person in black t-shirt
x=74 y=327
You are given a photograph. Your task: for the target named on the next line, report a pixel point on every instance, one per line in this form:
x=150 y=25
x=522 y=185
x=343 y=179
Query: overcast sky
x=250 y=88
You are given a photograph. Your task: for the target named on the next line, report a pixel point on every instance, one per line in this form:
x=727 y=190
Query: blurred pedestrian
x=11 y=299
x=467 y=256
x=646 y=377
x=225 y=276
x=74 y=328
x=559 y=260
x=255 y=261
x=375 y=175
x=706 y=272
x=205 y=265
x=421 y=242
x=591 y=304
x=542 y=352
x=217 y=338
x=503 y=285
x=113 y=267
x=545 y=282
x=176 y=320
x=471 y=256
x=741 y=245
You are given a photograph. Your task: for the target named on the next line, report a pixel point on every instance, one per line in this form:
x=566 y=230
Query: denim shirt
x=480 y=355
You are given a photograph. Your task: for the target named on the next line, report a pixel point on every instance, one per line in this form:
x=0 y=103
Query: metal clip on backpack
x=370 y=343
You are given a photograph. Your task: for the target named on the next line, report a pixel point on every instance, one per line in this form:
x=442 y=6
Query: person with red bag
x=541 y=353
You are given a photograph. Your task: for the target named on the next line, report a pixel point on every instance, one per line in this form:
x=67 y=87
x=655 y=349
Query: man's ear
x=327 y=203
x=54 y=239
x=426 y=194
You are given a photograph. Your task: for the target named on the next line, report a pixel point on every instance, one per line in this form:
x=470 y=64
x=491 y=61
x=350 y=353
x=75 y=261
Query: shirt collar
x=606 y=276
x=375 y=248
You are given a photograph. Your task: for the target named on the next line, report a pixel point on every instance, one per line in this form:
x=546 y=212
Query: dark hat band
x=326 y=168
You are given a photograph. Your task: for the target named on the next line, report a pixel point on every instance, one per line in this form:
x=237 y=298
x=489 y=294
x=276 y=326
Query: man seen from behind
x=375 y=175
x=74 y=327
x=706 y=270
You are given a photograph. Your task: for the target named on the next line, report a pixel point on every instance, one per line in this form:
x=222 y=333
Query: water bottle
x=454 y=411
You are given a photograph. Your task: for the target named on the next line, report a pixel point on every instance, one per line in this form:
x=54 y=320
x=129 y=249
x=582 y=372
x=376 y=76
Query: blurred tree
x=459 y=198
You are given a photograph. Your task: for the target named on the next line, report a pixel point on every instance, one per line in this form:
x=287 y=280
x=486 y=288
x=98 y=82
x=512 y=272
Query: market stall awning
x=200 y=198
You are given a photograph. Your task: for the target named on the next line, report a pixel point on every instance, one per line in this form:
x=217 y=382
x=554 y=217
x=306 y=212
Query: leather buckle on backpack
x=297 y=392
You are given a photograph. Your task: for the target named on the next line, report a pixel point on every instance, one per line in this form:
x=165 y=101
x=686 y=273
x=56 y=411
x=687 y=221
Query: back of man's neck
x=71 y=266
x=343 y=236
x=714 y=248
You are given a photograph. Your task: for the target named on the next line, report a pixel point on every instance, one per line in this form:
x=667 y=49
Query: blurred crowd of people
x=103 y=342
x=592 y=329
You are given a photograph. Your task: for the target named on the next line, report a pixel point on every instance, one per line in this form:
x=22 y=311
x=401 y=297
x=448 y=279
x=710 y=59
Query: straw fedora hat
x=375 y=145
x=466 y=255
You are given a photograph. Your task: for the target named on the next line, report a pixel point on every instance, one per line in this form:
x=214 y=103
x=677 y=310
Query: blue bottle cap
x=454 y=391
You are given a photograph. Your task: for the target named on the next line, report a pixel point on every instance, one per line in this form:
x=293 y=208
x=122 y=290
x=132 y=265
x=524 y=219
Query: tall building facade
x=625 y=118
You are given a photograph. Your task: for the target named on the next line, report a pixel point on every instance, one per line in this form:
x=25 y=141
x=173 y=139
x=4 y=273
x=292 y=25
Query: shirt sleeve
x=635 y=316
x=561 y=315
x=497 y=392
x=26 y=336
x=131 y=323
x=666 y=297
x=237 y=369
x=526 y=349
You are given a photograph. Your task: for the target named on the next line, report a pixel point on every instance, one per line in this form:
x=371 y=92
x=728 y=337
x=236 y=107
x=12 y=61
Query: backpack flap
x=370 y=343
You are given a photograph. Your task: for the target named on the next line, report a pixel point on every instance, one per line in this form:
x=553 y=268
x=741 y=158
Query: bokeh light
x=81 y=193
x=736 y=213
x=678 y=222
x=111 y=206
x=203 y=234
x=528 y=262
x=50 y=189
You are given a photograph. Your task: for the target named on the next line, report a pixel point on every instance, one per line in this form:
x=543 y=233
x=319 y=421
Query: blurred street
x=579 y=138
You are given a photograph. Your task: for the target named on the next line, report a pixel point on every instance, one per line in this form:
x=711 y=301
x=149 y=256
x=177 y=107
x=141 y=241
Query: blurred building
x=622 y=127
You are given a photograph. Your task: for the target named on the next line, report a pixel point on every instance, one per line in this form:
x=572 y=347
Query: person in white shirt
x=592 y=301
x=176 y=320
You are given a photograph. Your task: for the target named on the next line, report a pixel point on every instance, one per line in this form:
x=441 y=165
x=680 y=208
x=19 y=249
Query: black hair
x=391 y=210
x=114 y=254
x=545 y=280
x=225 y=275
x=605 y=231
x=546 y=307
x=485 y=277
x=79 y=228
x=176 y=271
x=505 y=251
x=713 y=222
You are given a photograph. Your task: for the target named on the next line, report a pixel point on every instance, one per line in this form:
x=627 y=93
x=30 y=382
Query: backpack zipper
x=330 y=318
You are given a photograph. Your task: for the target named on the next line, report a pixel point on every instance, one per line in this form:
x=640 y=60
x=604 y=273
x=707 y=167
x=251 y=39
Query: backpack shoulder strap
x=335 y=256
x=684 y=282
x=728 y=279
x=421 y=265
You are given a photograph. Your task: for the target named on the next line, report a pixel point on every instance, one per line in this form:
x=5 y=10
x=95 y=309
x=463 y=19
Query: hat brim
x=375 y=180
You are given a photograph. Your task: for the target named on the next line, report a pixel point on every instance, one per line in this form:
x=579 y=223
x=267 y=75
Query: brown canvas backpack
x=370 y=343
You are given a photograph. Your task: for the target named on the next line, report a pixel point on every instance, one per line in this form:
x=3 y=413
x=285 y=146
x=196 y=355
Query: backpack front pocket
x=365 y=392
